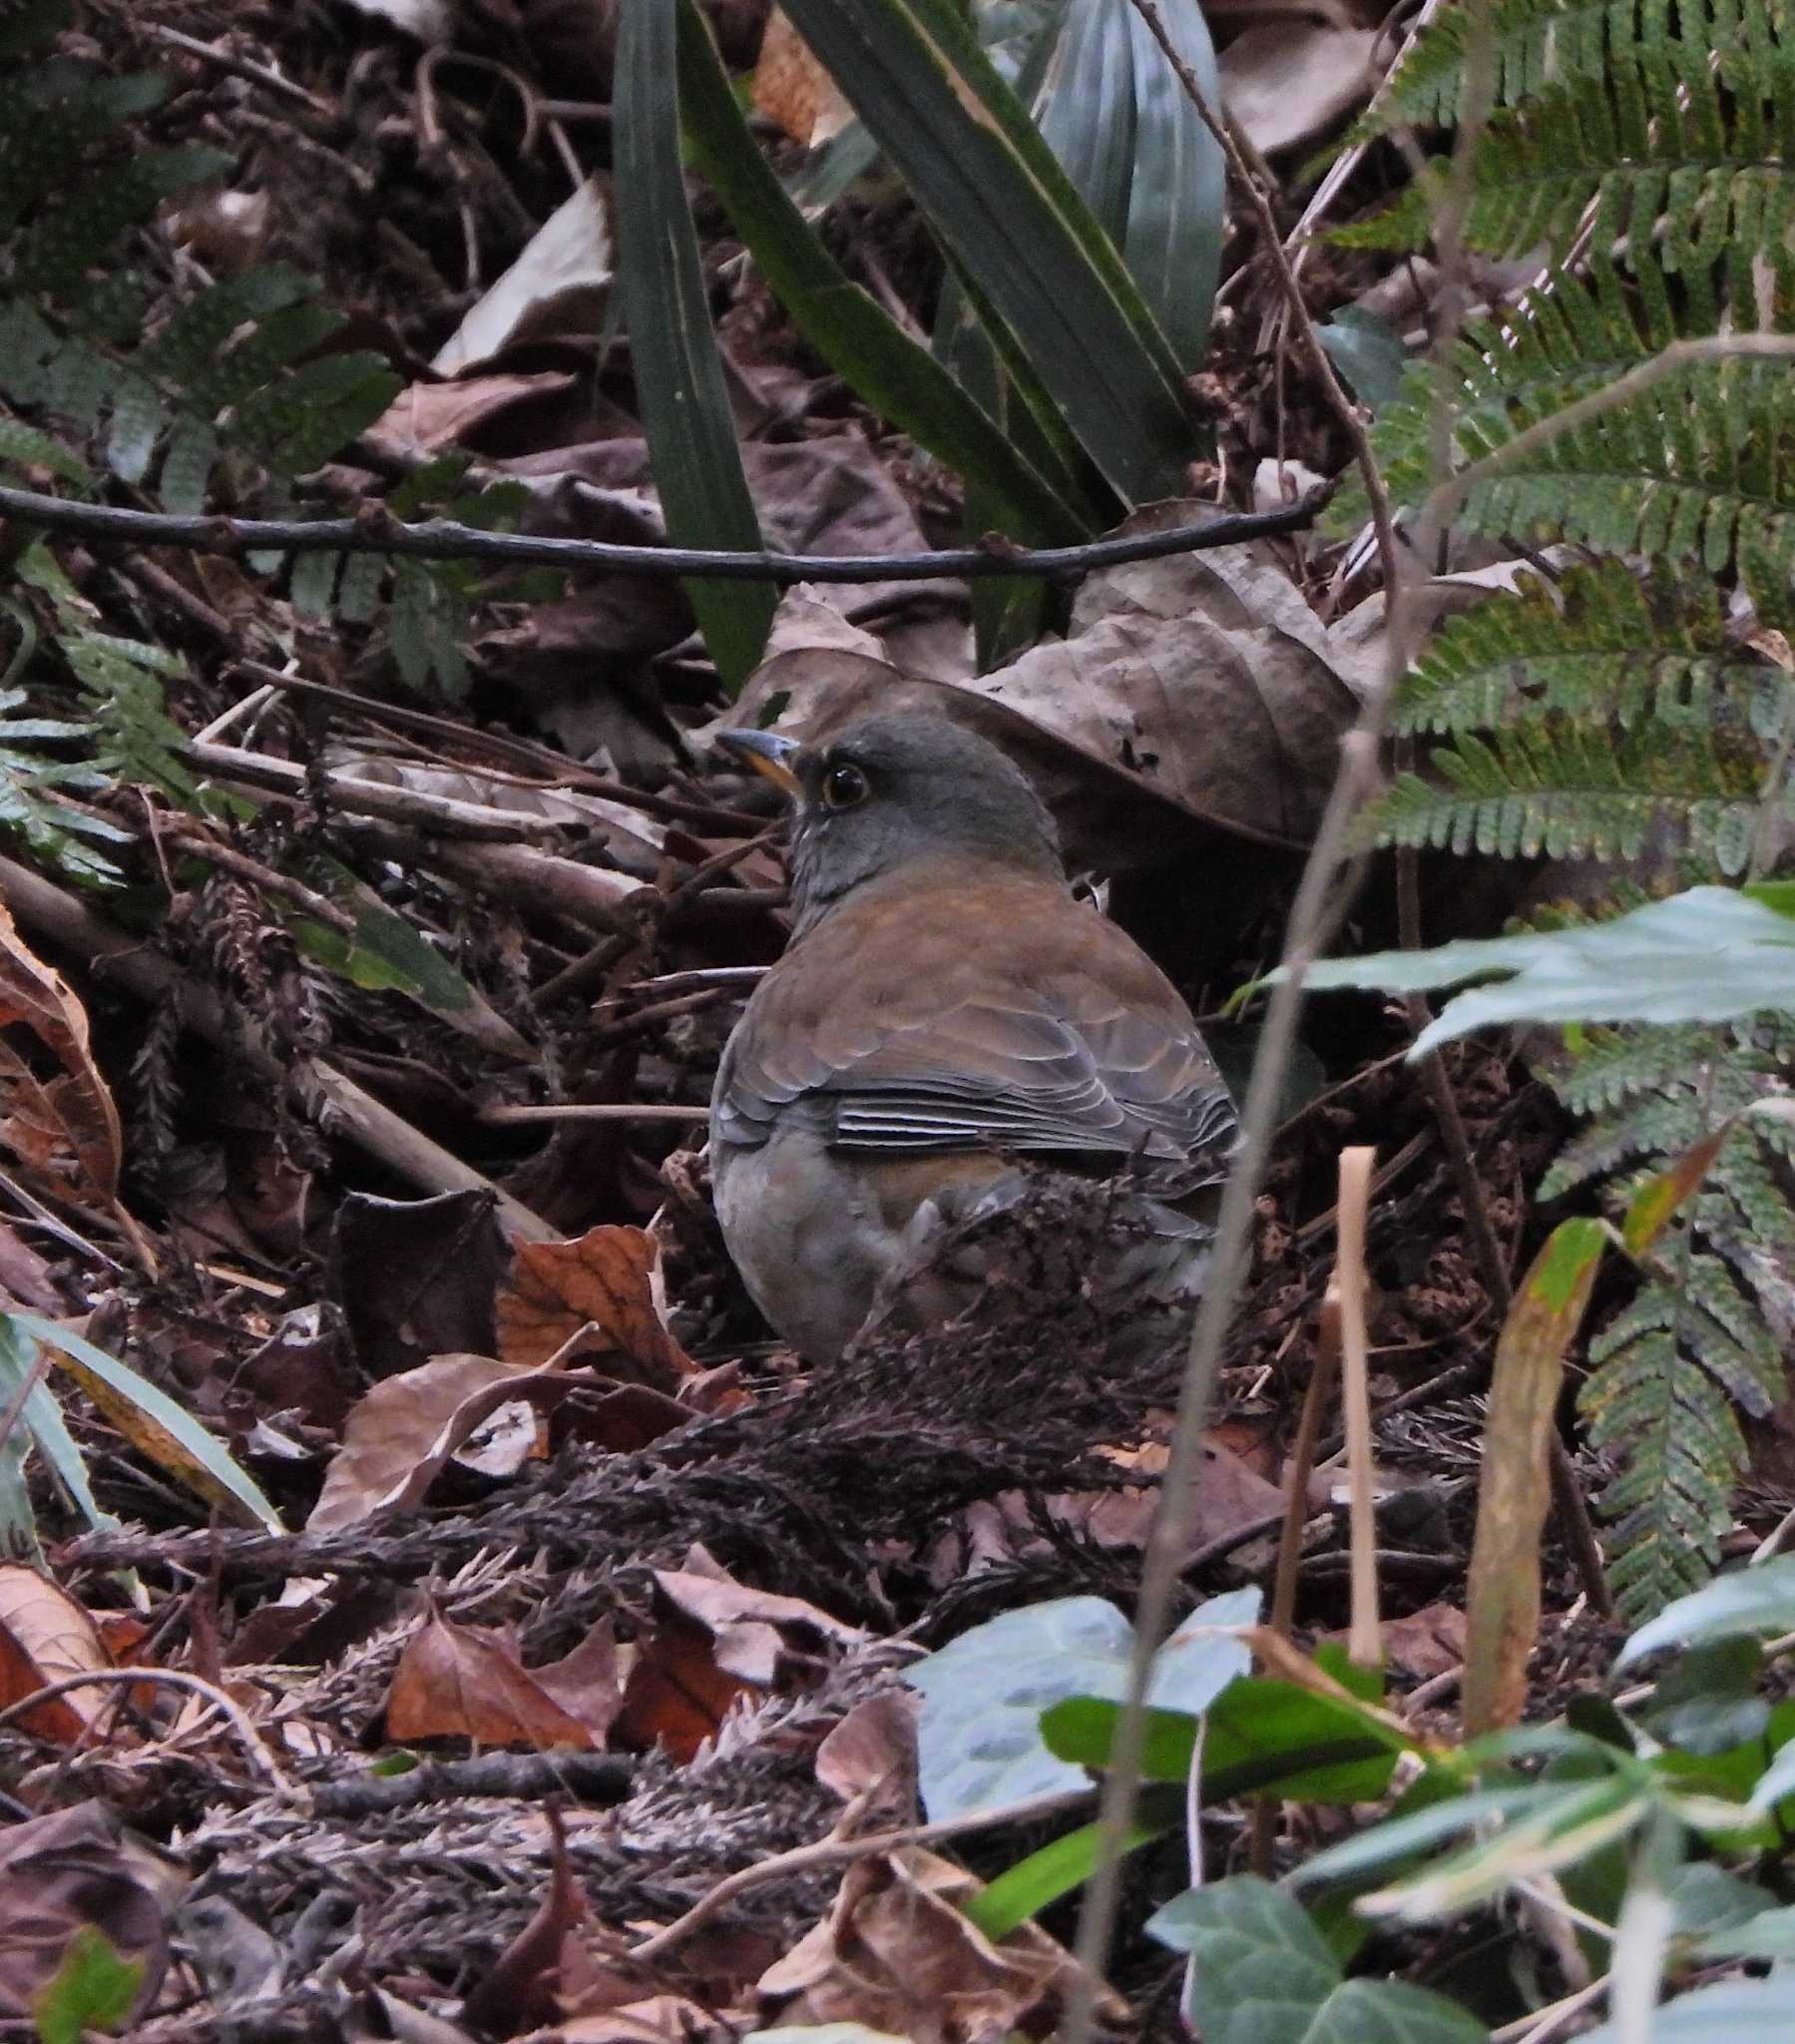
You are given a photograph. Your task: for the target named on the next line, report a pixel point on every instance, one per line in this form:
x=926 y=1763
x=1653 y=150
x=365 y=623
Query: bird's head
x=891 y=790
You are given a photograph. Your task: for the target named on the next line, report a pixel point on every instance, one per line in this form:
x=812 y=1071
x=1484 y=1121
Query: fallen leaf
x=609 y=1280
x=526 y=1984
x=677 y=1696
x=417 y=1277
x=871 y=1755
x=64 y=1132
x=895 y=1953
x=400 y=1435
x=1286 y=81
x=1196 y=692
x=462 y=1682
x=792 y=88
x=45 y=1637
x=426 y=418
x=63 y=1871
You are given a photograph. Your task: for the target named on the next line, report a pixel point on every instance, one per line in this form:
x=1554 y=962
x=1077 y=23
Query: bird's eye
x=843 y=787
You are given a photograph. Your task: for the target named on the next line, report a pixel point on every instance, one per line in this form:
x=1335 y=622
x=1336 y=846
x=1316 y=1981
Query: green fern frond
x=241 y=366
x=1700 y=466
x=63 y=838
x=1567 y=789
x=1531 y=42
x=1610 y=1066
x=1715 y=1309
x=1680 y=1449
x=1682 y=137
x=1600 y=643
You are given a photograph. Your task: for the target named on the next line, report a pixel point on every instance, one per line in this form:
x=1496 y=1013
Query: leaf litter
x=598 y=1602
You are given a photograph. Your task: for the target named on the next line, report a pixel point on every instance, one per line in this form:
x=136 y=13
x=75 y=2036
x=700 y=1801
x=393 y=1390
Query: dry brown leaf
x=760 y=1636
x=527 y=1982
x=402 y=1431
x=462 y=1682
x=45 y=1637
x=607 y=1280
x=65 y=1131
x=792 y=88
x=660 y=2019
x=427 y=417
x=871 y=1754
x=557 y=285
x=677 y=1696
x=896 y=1953
x=67 y=1869
x=1285 y=80
x=1198 y=692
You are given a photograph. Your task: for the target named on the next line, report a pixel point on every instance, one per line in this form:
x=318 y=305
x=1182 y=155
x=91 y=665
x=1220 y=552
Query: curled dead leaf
x=462 y=1682
x=605 y=1285
x=45 y=1637
x=64 y=1132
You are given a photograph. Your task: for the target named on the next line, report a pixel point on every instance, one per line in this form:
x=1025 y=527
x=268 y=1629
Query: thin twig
x=243 y=67
x=589 y=1111
x=1315 y=913
x=833 y=1852
x=167 y=1678
x=375 y=531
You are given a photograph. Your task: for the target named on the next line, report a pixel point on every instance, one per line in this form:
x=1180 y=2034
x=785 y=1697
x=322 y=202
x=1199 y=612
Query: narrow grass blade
x=893 y=373
x=678 y=375
x=992 y=189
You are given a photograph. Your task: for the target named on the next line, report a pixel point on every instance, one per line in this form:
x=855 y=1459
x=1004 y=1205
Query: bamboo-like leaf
x=678 y=375
x=895 y=374
x=1115 y=114
x=1501 y=1600
x=993 y=189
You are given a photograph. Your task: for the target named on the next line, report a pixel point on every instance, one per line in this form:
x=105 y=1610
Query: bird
x=946 y=1014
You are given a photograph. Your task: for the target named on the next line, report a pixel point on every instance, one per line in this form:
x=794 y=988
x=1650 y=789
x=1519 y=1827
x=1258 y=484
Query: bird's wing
x=1052 y=1033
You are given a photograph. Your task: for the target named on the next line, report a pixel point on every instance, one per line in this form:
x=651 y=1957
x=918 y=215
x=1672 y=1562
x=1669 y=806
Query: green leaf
x=1117 y=116
x=896 y=376
x=980 y=1739
x=1368 y=352
x=992 y=189
x=195 y=1447
x=1707 y=955
x=1024 y=1890
x=1264 y=1736
x=1725 y=2012
x=678 y=375
x=1766 y=1935
x=1753 y=1600
x=1261 y=1973
x=92 y=1989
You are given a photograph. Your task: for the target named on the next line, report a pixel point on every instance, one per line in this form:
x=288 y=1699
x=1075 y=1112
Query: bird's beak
x=768 y=752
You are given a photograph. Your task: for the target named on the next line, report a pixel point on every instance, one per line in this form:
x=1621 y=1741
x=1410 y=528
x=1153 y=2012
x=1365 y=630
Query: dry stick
x=549 y=767
x=1364 y=1640
x=345 y=1109
x=377 y=530
x=832 y=1851
x=167 y=1678
x=1297 y=1471
x=1314 y=914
